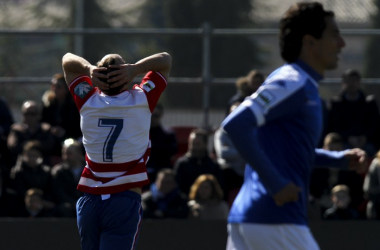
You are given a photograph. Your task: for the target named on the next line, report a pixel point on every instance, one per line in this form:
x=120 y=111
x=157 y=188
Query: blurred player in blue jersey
x=277 y=129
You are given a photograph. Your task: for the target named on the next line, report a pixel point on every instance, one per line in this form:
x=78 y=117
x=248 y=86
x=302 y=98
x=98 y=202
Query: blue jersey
x=277 y=130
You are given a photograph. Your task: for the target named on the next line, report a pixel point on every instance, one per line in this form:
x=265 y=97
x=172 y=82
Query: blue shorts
x=112 y=223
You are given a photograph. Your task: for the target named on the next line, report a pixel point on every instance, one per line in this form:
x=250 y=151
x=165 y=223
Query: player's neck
x=312 y=63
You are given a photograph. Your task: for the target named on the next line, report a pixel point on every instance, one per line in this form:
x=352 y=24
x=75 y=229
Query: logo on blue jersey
x=264 y=98
x=148 y=86
x=82 y=89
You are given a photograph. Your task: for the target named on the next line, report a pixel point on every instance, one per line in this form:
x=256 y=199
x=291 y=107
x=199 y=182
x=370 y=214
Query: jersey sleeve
x=81 y=89
x=153 y=84
x=274 y=100
x=241 y=128
x=330 y=159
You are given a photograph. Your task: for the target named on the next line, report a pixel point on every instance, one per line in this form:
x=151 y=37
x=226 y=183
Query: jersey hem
x=111 y=190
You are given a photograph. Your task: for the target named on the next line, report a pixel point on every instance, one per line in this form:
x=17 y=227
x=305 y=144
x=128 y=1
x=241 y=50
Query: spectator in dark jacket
x=6 y=120
x=34 y=206
x=340 y=196
x=60 y=111
x=31 y=129
x=371 y=188
x=30 y=172
x=164 y=144
x=354 y=115
x=196 y=162
x=246 y=86
x=65 y=177
x=5 y=201
x=165 y=200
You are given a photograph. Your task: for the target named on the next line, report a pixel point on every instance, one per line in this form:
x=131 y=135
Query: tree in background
x=231 y=56
x=18 y=50
x=30 y=55
x=372 y=50
x=96 y=46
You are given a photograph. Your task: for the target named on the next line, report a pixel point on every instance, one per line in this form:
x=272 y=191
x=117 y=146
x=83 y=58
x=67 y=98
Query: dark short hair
x=32 y=145
x=333 y=137
x=34 y=192
x=58 y=78
x=256 y=74
x=202 y=133
x=304 y=18
x=351 y=73
x=106 y=63
x=241 y=82
x=166 y=172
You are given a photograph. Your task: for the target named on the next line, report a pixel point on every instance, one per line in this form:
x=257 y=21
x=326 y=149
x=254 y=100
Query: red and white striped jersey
x=116 y=133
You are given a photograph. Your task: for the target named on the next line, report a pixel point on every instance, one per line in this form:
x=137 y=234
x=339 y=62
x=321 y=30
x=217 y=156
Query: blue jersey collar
x=314 y=74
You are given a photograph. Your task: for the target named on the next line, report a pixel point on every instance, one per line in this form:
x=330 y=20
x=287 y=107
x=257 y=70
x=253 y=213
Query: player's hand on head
x=289 y=193
x=124 y=74
x=357 y=160
x=97 y=76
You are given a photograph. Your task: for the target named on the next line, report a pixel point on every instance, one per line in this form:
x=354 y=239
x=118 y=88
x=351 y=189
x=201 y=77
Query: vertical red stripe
x=137 y=231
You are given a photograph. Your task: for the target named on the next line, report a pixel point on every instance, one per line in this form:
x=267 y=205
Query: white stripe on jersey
x=106 y=174
x=293 y=84
x=255 y=110
x=119 y=181
x=271 y=94
x=109 y=174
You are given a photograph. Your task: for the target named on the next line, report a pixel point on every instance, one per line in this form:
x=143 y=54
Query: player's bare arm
x=74 y=66
x=160 y=62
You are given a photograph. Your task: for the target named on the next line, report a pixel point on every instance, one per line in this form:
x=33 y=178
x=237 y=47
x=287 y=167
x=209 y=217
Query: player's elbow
x=165 y=63
x=66 y=59
x=166 y=55
x=167 y=58
x=67 y=56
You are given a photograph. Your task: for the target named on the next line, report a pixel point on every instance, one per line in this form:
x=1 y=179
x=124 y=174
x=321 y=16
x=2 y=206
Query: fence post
x=206 y=74
x=78 y=38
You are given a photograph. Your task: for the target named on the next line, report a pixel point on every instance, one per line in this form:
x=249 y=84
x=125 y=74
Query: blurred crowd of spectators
x=41 y=159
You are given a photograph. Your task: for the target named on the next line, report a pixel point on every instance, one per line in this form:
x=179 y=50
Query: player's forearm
x=75 y=64
x=160 y=62
x=325 y=159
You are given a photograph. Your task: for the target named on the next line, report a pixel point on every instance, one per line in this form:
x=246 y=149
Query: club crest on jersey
x=82 y=89
x=148 y=86
x=264 y=98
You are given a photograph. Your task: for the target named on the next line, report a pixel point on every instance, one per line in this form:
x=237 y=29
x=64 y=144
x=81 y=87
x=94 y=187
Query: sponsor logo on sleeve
x=264 y=98
x=148 y=86
x=82 y=89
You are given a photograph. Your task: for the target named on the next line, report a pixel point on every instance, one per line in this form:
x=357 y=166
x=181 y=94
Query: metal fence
x=205 y=32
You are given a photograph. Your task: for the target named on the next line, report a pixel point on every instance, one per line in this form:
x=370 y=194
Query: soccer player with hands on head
x=115 y=121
